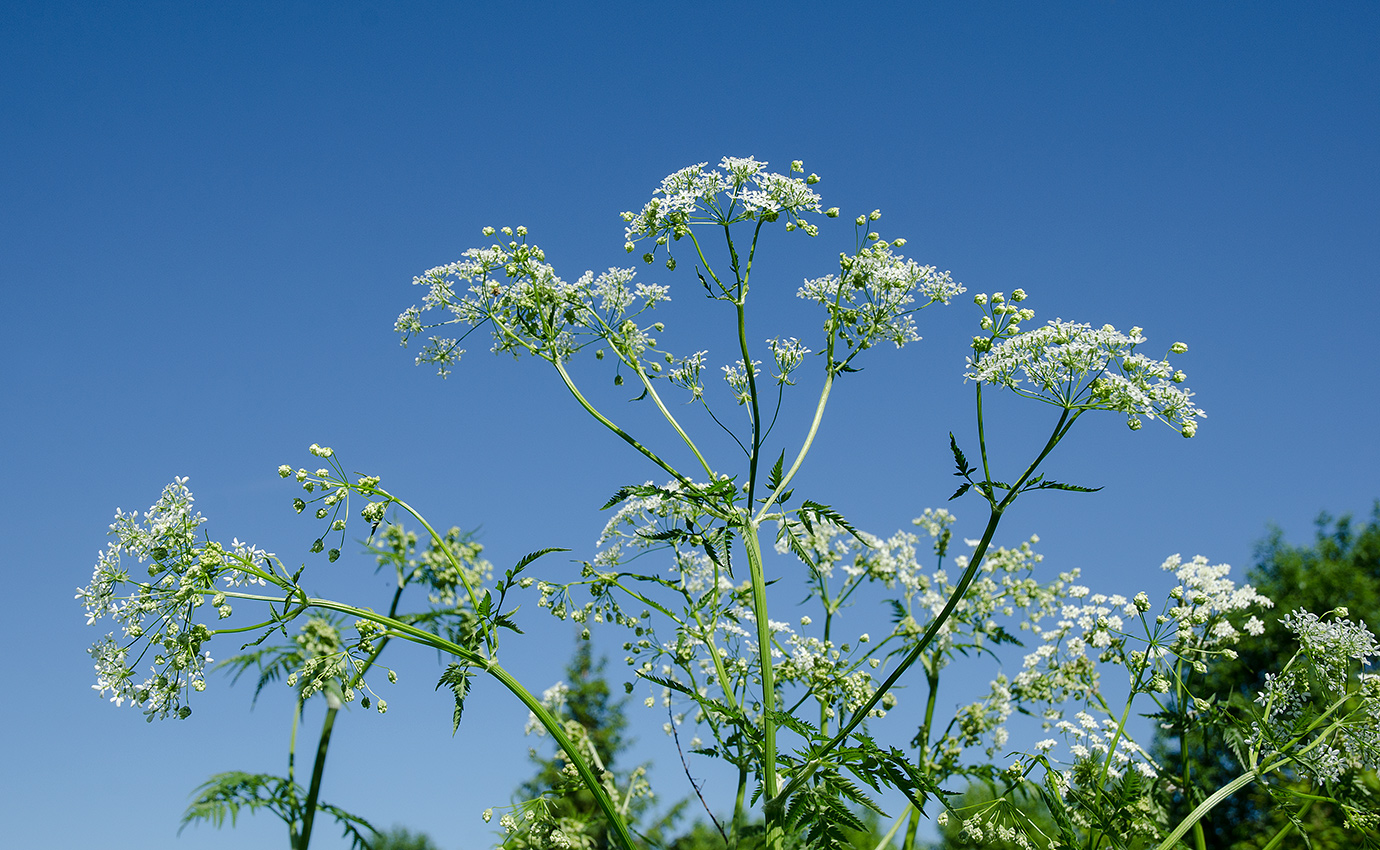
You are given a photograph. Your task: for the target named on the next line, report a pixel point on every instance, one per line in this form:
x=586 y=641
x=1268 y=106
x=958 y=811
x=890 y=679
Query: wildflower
x=1077 y=367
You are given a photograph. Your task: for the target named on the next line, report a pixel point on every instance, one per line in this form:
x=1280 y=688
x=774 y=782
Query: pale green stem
x=450 y=556
x=804 y=448
x=759 y=605
x=895 y=828
x=646 y=382
x=625 y=436
x=1211 y=802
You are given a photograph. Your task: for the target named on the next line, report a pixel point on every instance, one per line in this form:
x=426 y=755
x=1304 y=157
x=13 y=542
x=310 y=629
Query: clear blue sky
x=211 y=213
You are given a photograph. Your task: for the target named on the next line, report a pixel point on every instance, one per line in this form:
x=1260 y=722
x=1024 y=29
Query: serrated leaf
x=458 y=678
x=1056 y=485
x=825 y=512
x=777 y=470
x=532 y=556
x=505 y=621
x=960 y=461
x=960 y=491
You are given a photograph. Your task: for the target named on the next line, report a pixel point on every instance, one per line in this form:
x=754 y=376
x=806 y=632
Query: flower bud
x=980 y=299
x=1179 y=347
x=647 y=258
x=860 y=220
x=832 y=212
x=812 y=179
x=797 y=165
x=628 y=246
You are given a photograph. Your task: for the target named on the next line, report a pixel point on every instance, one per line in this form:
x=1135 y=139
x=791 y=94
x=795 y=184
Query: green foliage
x=225 y=795
x=399 y=838
x=1340 y=568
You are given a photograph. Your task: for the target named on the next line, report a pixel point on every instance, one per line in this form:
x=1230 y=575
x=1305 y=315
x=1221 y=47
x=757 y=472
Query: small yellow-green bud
x=832 y=212
x=812 y=179
x=797 y=165
x=875 y=214
x=1179 y=347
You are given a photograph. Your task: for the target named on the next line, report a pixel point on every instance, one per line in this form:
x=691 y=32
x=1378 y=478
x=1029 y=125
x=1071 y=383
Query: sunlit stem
x=660 y=405
x=759 y=605
x=603 y=420
x=804 y=447
x=450 y=556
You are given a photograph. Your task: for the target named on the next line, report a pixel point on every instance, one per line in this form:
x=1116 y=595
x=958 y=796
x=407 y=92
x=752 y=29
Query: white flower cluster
x=742 y=191
x=1078 y=367
x=1205 y=599
x=788 y=354
x=155 y=616
x=532 y=309
x=873 y=298
x=1089 y=740
x=1321 y=701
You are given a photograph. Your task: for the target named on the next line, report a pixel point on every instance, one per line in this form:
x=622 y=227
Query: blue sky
x=210 y=215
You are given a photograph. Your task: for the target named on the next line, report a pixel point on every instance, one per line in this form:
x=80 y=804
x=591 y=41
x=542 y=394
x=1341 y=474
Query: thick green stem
x=317 y=770
x=759 y=606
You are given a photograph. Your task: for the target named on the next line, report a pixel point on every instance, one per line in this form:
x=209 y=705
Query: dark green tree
x=1340 y=569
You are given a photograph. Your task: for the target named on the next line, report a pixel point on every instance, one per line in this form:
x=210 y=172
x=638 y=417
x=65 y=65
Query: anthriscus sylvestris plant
x=703 y=567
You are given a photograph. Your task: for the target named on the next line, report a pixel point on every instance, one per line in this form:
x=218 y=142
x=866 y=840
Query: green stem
x=603 y=420
x=660 y=405
x=778 y=801
x=1207 y=805
x=736 y=831
x=804 y=448
x=317 y=770
x=759 y=605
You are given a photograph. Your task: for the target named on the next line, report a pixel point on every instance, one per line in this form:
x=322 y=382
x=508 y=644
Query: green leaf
x=774 y=480
x=530 y=557
x=1039 y=484
x=457 y=676
x=819 y=511
x=964 y=470
x=960 y=491
x=350 y=825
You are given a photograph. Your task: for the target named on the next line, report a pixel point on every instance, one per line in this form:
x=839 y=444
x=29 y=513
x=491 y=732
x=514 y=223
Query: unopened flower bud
x=812 y=179
x=1179 y=347
x=860 y=220
x=797 y=165
x=647 y=258
x=875 y=214
x=832 y=212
